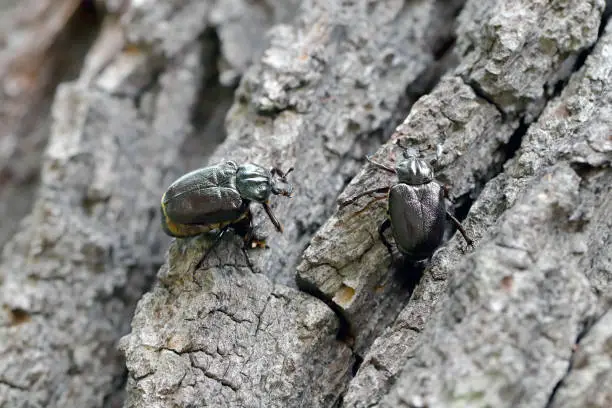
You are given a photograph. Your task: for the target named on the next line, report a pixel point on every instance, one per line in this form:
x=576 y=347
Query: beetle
x=416 y=208
x=219 y=196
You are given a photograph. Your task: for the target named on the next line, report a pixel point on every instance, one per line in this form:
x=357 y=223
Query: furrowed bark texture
x=324 y=90
x=589 y=379
x=216 y=334
x=388 y=354
x=71 y=276
x=473 y=129
x=37 y=50
x=69 y=280
x=519 y=126
x=517 y=307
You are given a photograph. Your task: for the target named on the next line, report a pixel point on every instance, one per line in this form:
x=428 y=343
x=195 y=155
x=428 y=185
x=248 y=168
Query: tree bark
x=71 y=276
x=37 y=51
x=510 y=102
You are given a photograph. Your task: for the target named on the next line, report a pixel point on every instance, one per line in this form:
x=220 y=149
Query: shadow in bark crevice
x=213 y=102
x=61 y=62
x=586 y=327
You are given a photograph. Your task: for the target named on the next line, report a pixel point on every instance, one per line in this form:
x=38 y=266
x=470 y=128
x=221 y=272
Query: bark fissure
x=510 y=103
x=588 y=325
x=45 y=60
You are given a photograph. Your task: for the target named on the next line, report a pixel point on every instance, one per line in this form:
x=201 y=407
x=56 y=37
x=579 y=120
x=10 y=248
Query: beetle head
x=412 y=169
x=253 y=182
x=280 y=185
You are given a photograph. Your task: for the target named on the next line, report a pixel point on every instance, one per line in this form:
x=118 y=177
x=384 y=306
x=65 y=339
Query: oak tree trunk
x=104 y=103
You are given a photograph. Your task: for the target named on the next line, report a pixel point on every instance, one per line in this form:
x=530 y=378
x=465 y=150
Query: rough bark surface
x=388 y=354
x=325 y=91
x=213 y=333
x=516 y=308
x=342 y=263
x=41 y=44
x=589 y=379
x=516 y=118
x=71 y=277
x=321 y=90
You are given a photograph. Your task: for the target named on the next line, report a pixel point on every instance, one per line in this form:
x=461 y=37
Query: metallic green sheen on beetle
x=218 y=196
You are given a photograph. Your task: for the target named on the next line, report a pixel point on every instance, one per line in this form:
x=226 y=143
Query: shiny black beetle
x=416 y=208
x=218 y=197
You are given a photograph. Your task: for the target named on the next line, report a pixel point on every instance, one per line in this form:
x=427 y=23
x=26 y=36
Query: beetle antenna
x=399 y=143
x=284 y=176
x=408 y=151
x=278 y=172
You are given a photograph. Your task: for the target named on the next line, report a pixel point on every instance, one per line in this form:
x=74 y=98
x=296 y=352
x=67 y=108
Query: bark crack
x=10 y=384
x=214 y=377
x=587 y=326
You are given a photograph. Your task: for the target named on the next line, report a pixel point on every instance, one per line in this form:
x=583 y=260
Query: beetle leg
x=368 y=192
x=280 y=173
x=380 y=166
x=251 y=242
x=460 y=228
x=244 y=228
x=381 y=232
x=276 y=223
x=399 y=143
x=446 y=189
x=216 y=241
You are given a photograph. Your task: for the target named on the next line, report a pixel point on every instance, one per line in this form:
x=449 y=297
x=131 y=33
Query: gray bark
x=588 y=382
x=517 y=307
x=36 y=53
x=217 y=334
x=305 y=106
x=343 y=260
x=72 y=275
x=559 y=297
x=325 y=91
x=515 y=100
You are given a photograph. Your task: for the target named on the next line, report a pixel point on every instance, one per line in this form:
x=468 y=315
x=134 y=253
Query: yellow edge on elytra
x=189 y=230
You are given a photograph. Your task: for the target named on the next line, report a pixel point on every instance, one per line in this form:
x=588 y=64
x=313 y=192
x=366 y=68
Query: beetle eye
x=282 y=187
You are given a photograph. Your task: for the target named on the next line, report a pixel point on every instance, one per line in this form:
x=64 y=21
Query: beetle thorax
x=414 y=171
x=253 y=183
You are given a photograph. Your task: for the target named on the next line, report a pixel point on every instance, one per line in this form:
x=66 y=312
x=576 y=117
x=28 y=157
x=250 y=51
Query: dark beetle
x=217 y=197
x=416 y=208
